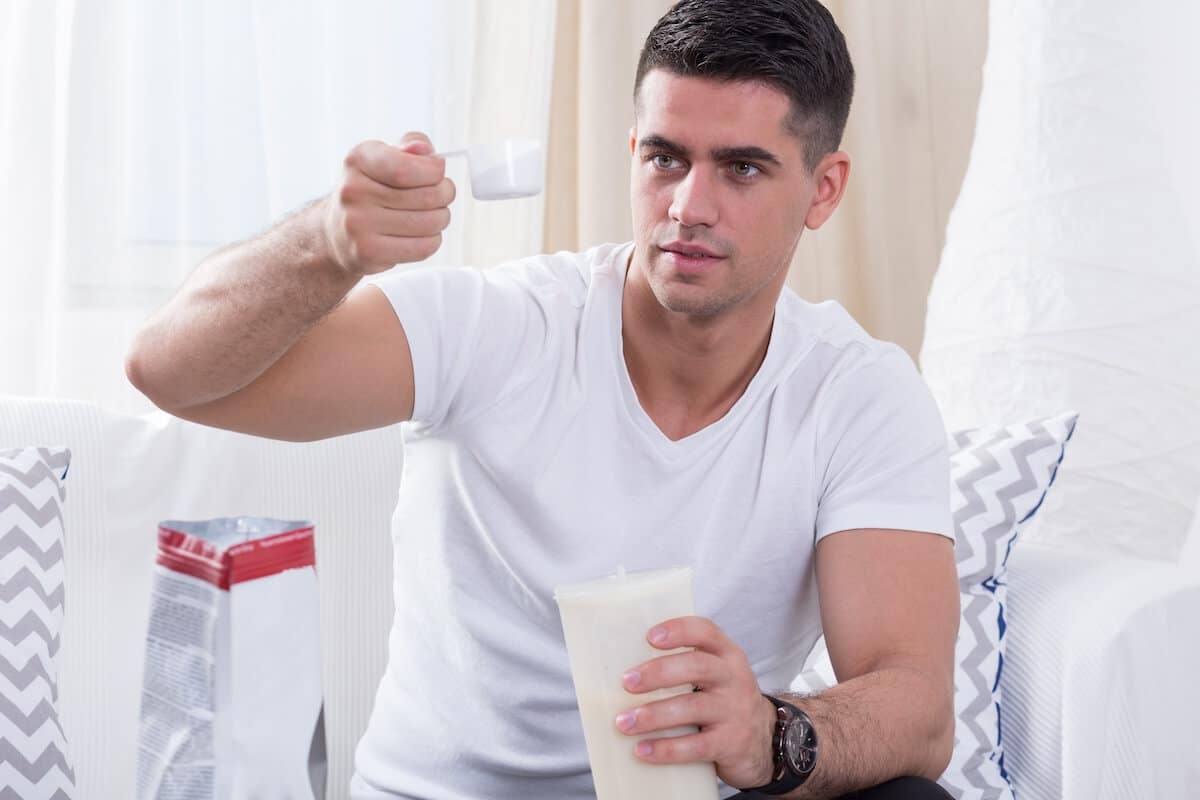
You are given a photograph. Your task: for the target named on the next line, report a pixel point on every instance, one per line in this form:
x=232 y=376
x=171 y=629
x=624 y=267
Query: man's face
x=719 y=191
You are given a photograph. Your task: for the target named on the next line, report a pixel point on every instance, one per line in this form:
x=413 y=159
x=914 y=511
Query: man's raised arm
x=259 y=339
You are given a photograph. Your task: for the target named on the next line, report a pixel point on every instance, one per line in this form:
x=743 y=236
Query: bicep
x=351 y=371
x=889 y=598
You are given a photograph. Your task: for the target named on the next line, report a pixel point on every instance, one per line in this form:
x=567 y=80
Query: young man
x=623 y=405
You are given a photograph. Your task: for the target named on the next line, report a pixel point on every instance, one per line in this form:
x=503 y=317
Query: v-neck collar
x=687 y=447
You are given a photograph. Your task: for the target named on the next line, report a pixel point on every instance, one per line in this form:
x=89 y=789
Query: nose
x=694 y=202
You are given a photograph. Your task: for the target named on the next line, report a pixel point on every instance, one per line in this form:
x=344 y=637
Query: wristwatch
x=793 y=747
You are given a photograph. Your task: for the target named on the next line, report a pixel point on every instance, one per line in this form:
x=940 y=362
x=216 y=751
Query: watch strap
x=784 y=779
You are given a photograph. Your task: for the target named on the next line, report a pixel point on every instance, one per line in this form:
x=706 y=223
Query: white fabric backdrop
x=1071 y=273
x=136 y=136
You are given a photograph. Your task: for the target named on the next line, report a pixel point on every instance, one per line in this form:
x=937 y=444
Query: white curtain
x=136 y=136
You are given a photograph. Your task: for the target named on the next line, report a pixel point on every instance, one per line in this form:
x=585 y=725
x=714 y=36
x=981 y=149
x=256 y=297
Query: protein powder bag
x=231 y=699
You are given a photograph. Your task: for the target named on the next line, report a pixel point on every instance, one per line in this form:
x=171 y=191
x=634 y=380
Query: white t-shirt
x=530 y=463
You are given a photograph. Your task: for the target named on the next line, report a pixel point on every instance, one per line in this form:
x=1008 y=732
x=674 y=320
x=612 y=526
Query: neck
x=688 y=371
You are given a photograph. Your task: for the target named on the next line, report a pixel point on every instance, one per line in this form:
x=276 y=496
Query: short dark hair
x=790 y=45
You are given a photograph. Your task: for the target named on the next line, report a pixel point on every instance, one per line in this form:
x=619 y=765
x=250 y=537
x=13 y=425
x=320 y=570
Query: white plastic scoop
x=504 y=169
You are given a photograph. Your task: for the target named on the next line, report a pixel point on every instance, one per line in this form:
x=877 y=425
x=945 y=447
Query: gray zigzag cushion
x=998 y=479
x=33 y=748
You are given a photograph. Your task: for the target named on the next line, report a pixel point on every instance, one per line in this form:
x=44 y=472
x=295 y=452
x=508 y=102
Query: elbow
x=135 y=369
x=941 y=742
x=933 y=724
x=138 y=372
x=941 y=749
x=931 y=705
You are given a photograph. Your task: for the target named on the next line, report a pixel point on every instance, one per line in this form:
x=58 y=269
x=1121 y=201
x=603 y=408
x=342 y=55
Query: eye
x=663 y=161
x=744 y=169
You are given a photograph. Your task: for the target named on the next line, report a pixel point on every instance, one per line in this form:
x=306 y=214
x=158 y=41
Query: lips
x=691 y=251
x=688 y=259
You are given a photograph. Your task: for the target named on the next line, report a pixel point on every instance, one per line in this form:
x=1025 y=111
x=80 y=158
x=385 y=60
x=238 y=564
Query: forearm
x=882 y=725
x=238 y=313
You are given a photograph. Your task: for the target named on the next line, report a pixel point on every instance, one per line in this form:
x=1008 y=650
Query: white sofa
x=1099 y=685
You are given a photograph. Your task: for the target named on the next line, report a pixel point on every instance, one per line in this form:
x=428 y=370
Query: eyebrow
x=747 y=153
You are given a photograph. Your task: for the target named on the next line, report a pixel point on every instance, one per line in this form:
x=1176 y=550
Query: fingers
x=694 y=668
x=377 y=237
x=374 y=220
x=400 y=167
x=416 y=142
x=679 y=749
x=391 y=207
x=741 y=751
x=690 y=708
x=735 y=721
x=699 y=632
x=359 y=187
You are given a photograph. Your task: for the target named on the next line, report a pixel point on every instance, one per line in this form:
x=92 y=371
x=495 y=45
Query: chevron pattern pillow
x=33 y=748
x=998 y=479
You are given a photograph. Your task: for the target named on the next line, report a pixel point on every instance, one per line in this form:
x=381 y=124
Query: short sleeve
x=885 y=451
x=473 y=335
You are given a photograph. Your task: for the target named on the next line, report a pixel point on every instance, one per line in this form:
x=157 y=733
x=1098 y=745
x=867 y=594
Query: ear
x=830 y=177
x=632 y=138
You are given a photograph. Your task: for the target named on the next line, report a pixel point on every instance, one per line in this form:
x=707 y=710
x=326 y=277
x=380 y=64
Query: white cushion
x=1100 y=689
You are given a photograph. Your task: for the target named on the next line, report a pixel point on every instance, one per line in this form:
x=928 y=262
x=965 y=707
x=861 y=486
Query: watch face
x=801 y=754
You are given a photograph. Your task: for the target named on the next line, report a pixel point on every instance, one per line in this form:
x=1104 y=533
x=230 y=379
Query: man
x=646 y=404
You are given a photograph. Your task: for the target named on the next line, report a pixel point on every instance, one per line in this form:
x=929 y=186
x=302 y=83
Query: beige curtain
x=919 y=66
x=591 y=109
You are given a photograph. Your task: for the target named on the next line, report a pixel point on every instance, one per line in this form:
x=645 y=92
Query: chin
x=689 y=300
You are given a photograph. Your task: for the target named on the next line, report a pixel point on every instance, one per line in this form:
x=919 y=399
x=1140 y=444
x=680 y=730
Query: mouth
x=689 y=257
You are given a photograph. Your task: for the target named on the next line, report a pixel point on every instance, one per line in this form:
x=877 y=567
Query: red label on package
x=259 y=558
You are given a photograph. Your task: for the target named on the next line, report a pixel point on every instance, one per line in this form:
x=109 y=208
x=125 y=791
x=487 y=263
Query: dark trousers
x=898 y=789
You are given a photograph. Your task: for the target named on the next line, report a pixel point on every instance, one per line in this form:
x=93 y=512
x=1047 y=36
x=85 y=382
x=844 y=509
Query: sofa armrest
x=1098 y=685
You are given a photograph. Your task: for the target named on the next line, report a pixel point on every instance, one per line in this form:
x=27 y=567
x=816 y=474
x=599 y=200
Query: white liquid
x=618 y=773
x=605 y=623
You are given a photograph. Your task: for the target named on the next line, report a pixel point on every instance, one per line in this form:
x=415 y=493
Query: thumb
x=416 y=143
